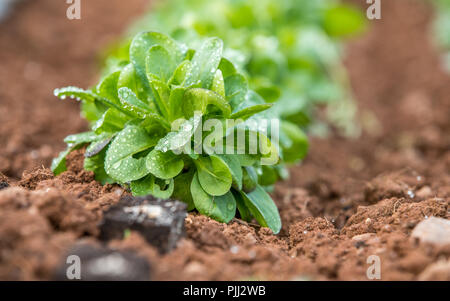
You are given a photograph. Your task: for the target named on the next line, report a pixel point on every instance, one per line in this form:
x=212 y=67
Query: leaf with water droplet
x=236 y=88
x=221 y=208
x=181 y=73
x=205 y=62
x=160 y=63
x=110 y=122
x=108 y=87
x=132 y=103
x=82 y=94
x=164 y=165
x=218 y=84
x=213 y=175
x=248 y=112
x=97 y=146
x=204 y=101
x=140 y=47
x=120 y=163
x=161 y=97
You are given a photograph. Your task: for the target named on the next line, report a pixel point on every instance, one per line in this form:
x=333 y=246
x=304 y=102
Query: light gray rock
x=434 y=230
x=437 y=271
x=5 y=7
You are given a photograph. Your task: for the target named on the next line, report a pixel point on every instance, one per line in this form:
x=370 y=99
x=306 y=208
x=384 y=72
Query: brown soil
x=350 y=198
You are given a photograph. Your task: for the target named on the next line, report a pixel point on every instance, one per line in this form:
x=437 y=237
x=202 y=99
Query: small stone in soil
x=3 y=185
x=160 y=222
x=100 y=264
x=433 y=230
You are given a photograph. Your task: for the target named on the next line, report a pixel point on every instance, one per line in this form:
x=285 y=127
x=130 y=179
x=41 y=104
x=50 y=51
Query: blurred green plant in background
x=289 y=49
x=441 y=29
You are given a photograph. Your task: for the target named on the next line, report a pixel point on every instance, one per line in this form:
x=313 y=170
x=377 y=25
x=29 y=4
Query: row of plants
x=179 y=108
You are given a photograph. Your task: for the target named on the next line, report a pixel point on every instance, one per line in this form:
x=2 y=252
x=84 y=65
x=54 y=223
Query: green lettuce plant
x=149 y=133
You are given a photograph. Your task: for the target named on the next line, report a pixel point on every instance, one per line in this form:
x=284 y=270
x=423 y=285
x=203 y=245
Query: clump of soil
x=349 y=200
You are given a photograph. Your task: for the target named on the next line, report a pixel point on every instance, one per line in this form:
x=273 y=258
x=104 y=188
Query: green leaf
x=262 y=207
x=59 y=163
x=244 y=212
x=132 y=103
x=344 y=20
x=128 y=79
x=180 y=74
x=213 y=175
x=75 y=93
x=176 y=103
x=154 y=123
x=293 y=141
x=205 y=63
x=73 y=142
x=162 y=189
x=160 y=64
x=236 y=88
x=201 y=100
x=110 y=122
x=251 y=145
x=140 y=47
x=227 y=68
x=96 y=164
x=85 y=95
x=267 y=175
x=270 y=93
x=164 y=165
x=218 y=84
x=108 y=87
x=82 y=138
x=177 y=140
x=248 y=112
x=220 y=208
x=161 y=94
x=182 y=190
x=234 y=166
x=250 y=178
x=120 y=163
x=97 y=146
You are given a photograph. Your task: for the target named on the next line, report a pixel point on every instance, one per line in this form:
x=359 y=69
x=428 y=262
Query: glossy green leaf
x=164 y=165
x=177 y=140
x=96 y=164
x=108 y=87
x=182 y=190
x=150 y=185
x=141 y=45
x=214 y=175
x=132 y=103
x=160 y=64
x=75 y=93
x=221 y=208
x=120 y=163
x=110 y=122
x=263 y=209
x=236 y=88
x=248 y=112
x=201 y=100
x=205 y=63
